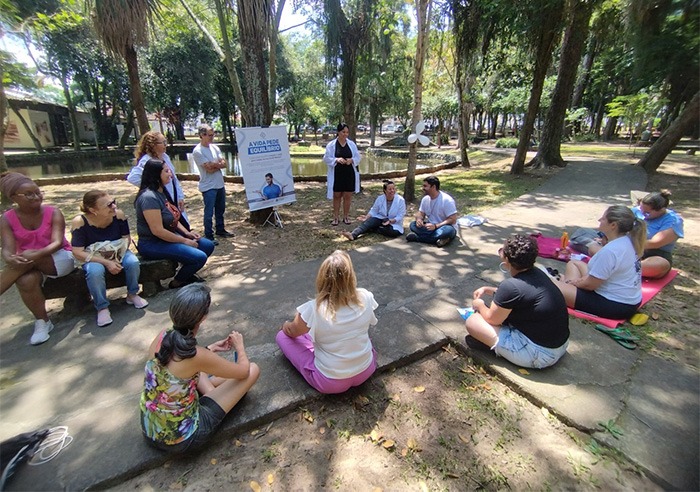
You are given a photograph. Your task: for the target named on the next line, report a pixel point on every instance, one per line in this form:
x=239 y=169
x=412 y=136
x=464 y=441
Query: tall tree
x=346 y=35
x=547 y=29
x=549 y=151
x=668 y=139
x=254 y=25
x=467 y=17
x=423 y=17
x=123 y=26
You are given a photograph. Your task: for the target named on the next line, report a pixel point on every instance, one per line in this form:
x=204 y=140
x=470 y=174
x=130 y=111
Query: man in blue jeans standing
x=436 y=216
x=210 y=162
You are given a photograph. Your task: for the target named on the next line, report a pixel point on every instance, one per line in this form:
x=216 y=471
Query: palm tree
x=123 y=26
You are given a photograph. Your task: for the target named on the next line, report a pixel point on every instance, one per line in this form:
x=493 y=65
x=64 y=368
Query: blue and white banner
x=266 y=166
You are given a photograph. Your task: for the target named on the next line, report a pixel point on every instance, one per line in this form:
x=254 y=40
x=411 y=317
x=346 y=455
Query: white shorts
x=64 y=263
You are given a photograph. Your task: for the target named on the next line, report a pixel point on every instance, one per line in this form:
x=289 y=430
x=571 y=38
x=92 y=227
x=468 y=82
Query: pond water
x=301 y=166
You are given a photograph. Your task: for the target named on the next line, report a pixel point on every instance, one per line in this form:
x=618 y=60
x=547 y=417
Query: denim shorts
x=512 y=345
x=210 y=417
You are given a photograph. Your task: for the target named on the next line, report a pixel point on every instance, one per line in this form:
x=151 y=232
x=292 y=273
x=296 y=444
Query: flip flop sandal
x=346 y=221
x=621 y=335
x=335 y=222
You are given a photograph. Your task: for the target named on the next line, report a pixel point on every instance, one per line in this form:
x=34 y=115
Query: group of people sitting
x=527 y=323
x=189 y=389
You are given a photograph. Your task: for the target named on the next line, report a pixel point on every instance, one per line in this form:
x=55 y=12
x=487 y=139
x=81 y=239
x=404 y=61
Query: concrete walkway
x=89 y=379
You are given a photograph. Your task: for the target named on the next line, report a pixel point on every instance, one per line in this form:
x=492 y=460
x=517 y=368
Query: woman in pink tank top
x=33 y=245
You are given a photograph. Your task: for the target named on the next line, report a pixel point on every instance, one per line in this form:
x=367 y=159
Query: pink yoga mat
x=650 y=287
x=547 y=247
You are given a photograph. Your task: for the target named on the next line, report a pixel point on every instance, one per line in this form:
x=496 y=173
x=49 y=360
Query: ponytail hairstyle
x=187 y=310
x=628 y=223
x=386 y=184
x=658 y=199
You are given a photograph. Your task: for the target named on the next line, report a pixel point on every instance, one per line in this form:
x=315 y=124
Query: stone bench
x=74 y=287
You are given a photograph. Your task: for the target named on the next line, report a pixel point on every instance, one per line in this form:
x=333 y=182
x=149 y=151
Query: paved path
x=89 y=379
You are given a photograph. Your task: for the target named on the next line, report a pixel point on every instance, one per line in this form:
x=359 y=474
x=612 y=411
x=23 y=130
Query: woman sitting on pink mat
x=610 y=285
x=328 y=340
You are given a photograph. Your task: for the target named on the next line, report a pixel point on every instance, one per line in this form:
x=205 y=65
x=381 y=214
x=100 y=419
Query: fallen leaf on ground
x=255 y=486
x=545 y=412
x=388 y=444
x=463 y=439
x=375 y=435
x=524 y=372
x=404 y=452
x=361 y=401
x=412 y=443
x=654 y=316
x=176 y=486
x=237 y=443
x=419 y=389
x=213 y=461
x=270 y=479
x=322 y=430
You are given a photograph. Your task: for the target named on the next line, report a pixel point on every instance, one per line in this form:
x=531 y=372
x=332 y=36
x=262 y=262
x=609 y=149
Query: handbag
x=109 y=250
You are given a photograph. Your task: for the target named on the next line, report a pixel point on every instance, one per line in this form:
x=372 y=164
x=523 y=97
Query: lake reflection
x=301 y=166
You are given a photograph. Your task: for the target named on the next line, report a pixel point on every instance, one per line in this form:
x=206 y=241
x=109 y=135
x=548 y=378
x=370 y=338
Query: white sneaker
x=41 y=331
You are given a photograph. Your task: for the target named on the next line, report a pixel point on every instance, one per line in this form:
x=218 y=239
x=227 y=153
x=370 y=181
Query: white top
x=438 y=209
x=397 y=210
x=617 y=264
x=173 y=187
x=342 y=348
x=201 y=155
x=329 y=159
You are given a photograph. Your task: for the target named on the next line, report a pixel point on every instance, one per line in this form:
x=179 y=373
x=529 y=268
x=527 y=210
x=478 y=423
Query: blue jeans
x=374 y=224
x=192 y=259
x=431 y=237
x=214 y=204
x=95 y=277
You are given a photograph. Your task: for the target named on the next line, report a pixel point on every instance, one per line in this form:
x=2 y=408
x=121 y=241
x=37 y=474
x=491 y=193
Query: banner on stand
x=266 y=166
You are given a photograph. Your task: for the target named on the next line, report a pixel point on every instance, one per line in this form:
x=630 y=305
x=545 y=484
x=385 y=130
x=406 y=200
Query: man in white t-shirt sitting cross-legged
x=436 y=216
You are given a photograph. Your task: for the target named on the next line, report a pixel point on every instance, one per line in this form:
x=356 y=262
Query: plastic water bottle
x=564 y=240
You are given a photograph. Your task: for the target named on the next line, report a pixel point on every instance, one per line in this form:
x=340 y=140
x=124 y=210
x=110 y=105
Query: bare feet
x=348 y=235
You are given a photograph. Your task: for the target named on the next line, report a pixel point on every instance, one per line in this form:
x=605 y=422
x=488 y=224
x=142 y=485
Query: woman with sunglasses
x=101 y=240
x=161 y=234
x=526 y=322
x=33 y=246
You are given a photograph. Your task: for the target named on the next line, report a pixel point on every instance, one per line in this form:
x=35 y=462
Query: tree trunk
x=71 y=113
x=549 y=151
x=609 y=130
x=348 y=84
x=668 y=139
x=423 y=17
x=543 y=57
x=274 y=28
x=585 y=72
x=128 y=129
x=135 y=92
x=253 y=24
x=27 y=126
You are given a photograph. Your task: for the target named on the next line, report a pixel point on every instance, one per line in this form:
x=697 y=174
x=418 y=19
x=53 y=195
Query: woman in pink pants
x=328 y=340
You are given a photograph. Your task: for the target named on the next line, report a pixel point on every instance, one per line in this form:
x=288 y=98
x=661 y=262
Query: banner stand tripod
x=274 y=219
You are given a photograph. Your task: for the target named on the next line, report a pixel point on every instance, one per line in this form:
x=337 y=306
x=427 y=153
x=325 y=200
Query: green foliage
x=584 y=137
x=636 y=109
x=507 y=143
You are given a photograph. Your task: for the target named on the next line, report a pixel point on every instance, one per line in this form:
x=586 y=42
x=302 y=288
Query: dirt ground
x=439 y=424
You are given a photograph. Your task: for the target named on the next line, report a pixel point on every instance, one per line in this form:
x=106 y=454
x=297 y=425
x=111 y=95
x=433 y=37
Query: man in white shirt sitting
x=436 y=216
